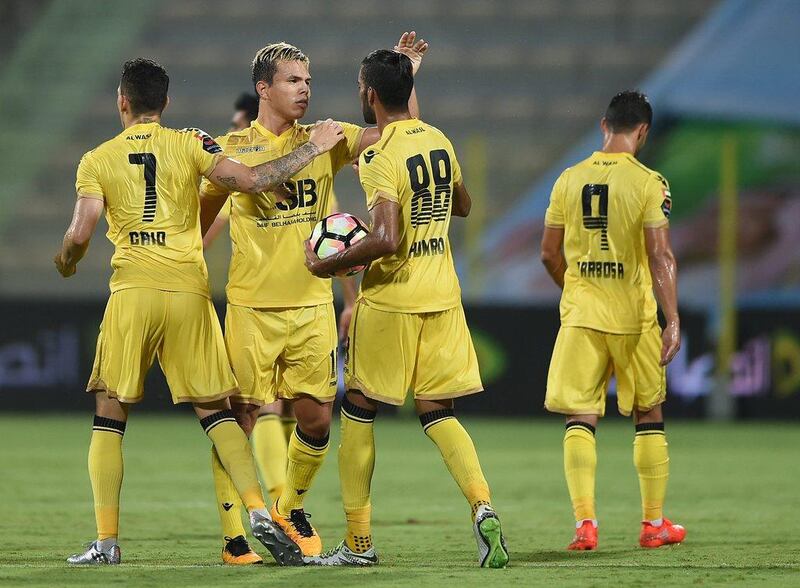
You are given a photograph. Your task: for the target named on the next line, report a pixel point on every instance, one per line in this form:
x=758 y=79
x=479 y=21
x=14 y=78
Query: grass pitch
x=733 y=486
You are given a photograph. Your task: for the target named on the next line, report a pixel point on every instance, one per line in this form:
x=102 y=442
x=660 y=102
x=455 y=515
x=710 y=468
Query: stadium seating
x=530 y=95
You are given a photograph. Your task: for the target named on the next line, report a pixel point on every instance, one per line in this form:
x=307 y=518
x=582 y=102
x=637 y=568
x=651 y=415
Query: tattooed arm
x=235 y=176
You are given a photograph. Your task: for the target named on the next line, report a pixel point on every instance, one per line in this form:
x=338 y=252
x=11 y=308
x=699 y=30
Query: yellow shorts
x=584 y=360
x=430 y=354
x=282 y=352
x=181 y=328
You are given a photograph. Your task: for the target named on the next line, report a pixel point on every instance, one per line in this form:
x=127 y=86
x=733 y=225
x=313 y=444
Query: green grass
x=733 y=486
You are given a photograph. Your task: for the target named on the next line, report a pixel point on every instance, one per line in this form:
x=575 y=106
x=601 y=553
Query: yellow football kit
x=608 y=311
x=280 y=326
x=148 y=178
x=408 y=330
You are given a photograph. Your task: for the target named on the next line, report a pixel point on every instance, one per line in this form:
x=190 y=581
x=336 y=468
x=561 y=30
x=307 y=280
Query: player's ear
x=262 y=88
x=604 y=125
x=371 y=95
x=166 y=103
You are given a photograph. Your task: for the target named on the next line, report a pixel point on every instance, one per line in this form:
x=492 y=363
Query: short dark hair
x=389 y=73
x=145 y=84
x=249 y=103
x=627 y=110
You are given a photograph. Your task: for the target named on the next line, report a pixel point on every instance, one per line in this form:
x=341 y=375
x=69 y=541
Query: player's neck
x=387 y=118
x=619 y=143
x=141 y=119
x=274 y=123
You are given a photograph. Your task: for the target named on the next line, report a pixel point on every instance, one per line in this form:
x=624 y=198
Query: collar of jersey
x=398 y=123
x=127 y=129
x=617 y=154
x=262 y=130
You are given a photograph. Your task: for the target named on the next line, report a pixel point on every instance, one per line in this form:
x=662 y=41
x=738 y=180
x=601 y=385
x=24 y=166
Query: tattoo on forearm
x=229 y=182
x=272 y=174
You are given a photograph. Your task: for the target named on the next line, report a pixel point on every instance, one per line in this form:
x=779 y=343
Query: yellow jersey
x=414 y=165
x=604 y=203
x=148 y=178
x=267 y=267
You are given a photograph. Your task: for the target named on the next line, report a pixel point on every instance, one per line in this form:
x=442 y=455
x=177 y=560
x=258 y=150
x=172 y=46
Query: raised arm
x=384 y=239
x=664 y=271
x=76 y=240
x=236 y=176
x=552 y=255
x=415 y=50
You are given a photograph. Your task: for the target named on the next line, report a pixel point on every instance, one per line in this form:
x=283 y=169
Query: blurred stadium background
x=520 y=87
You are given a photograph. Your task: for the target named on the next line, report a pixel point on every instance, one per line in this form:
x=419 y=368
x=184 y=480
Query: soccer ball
x=336 y=233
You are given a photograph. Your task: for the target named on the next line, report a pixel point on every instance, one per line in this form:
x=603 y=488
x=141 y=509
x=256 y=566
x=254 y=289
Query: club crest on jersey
x=666 y=205
x=209 y=144
x=369 y=155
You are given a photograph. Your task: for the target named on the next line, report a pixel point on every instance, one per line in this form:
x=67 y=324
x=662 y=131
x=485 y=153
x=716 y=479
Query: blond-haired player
x=146 y=178
x=610 y=214
x=408 y=330
x=280 y=328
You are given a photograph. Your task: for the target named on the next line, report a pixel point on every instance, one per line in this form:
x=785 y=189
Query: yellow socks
x=234 y=453
x=580 y=464
x=356 y=464
x=652 y=464
x=228 y=502
x=105 y=473
x=458 y=453
x=305 y=457
x=270 y=448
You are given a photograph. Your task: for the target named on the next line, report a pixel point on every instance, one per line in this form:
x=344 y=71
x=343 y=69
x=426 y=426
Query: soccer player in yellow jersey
x=610 y=215
x=280 y=328
x=146 y=178
x=408 y=330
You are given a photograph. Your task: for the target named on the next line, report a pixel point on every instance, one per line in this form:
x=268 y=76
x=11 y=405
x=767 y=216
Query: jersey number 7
x=148 y=160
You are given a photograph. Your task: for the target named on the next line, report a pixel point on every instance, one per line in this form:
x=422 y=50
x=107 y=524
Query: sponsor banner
x=47 y=349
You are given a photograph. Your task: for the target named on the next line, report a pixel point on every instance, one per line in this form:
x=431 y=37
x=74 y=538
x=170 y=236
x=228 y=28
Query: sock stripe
x=649 y=433
x=650 y=427
x=285 y=419
x=581 y=425
x=428 y=419
x=357 y=413
x=108 y=425
x=313 y=442
x=215 y=419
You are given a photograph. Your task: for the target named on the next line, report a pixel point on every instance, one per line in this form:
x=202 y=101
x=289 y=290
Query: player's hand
x=326 y=134
x=670 y=342
x=413 y=49
x=65 y=270
x=344 y=322
x=314 y=263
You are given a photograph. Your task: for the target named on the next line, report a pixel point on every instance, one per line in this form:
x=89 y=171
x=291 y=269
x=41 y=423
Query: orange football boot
x=299 y=530
x=667 y=534
x=237 y=552
x=585 y=537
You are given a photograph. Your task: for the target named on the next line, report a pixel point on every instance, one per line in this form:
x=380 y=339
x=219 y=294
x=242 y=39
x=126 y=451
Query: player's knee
x=650 y=415
x=426 y=406
x=317 y=425
x=246 y=415
x=109 y=408
x=313 y=417
x=356 y=398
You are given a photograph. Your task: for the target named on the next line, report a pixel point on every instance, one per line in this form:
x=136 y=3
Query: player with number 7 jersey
x=147 y=179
